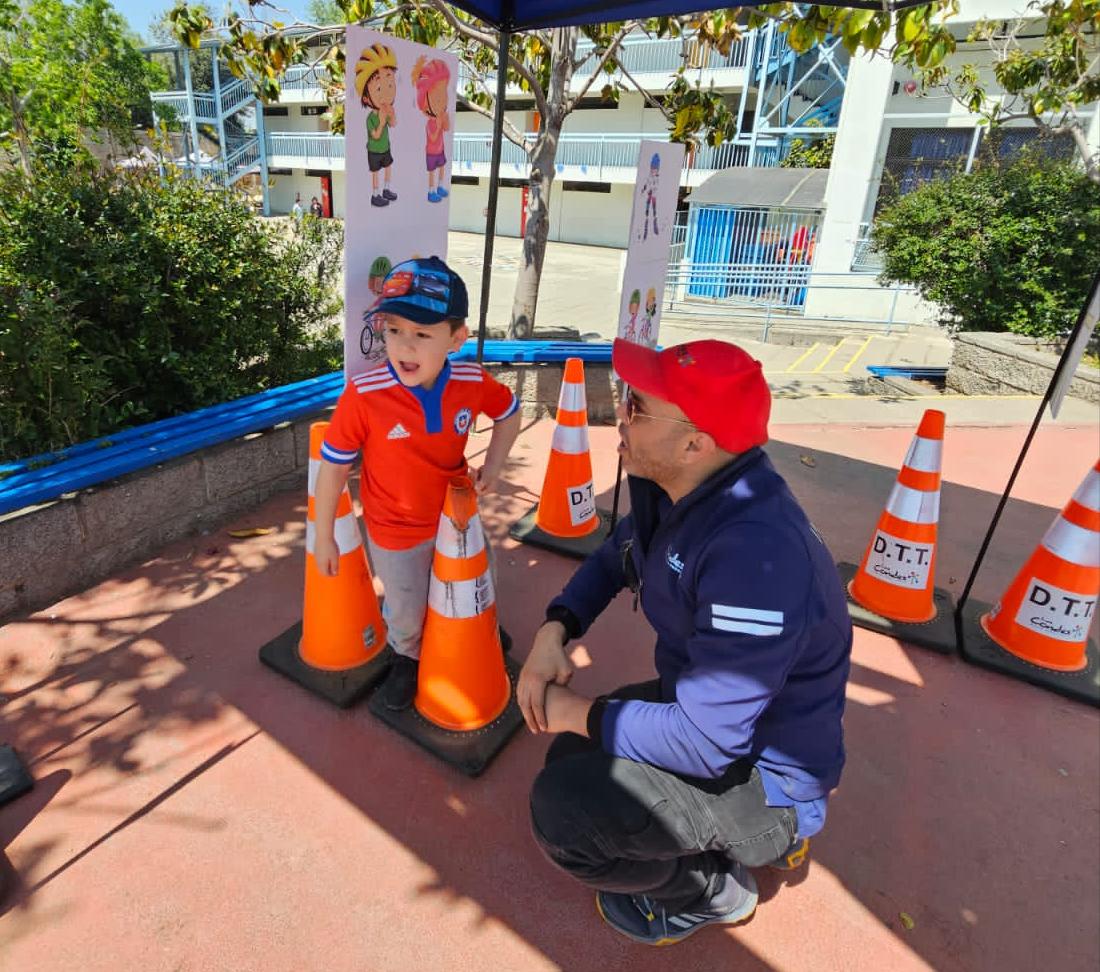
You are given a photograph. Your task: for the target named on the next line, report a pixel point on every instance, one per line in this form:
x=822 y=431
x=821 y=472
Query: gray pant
x=618 y=825
x=405 y=574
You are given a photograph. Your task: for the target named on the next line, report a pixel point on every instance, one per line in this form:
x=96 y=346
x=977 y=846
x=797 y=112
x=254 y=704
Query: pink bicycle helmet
x=426 y=75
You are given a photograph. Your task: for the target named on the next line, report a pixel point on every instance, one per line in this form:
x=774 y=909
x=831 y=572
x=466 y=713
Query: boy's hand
x=485 y=480
x=327 y=556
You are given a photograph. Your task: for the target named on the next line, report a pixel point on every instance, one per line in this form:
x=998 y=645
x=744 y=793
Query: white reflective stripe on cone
x=461 y=599
x=455 y=543
x=345 y=530
x=1088 y=493
x=570 y=439
x=314 y=472
x=925 y=455
x=914 y=505
x=572 y=397
x=1073 y=543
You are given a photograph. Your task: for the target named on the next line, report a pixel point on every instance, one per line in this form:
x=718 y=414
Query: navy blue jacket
x=753 y=634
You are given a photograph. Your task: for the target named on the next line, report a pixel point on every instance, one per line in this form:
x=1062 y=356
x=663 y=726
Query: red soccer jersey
x=413 y=441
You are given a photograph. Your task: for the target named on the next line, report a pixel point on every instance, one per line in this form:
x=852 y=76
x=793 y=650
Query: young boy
x=410 y=418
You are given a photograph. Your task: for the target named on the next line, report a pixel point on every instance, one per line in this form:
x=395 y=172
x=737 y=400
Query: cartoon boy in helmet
x=376 y=85
x=632 y=327
x=649 y=194
x=372 y=339
x=646 y=337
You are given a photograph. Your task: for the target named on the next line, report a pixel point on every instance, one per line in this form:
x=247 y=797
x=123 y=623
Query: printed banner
x=652 y=219
x=399 y=125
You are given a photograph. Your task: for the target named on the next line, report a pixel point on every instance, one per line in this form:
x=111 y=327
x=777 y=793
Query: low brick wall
x=54 y=549
x=1005 y=364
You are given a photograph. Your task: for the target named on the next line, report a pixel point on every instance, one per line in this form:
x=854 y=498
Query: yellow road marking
x=804 y=356
x=856 y=356
x=829 y=356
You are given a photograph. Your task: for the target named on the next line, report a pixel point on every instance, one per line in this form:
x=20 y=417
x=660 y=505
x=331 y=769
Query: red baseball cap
x=717 y=385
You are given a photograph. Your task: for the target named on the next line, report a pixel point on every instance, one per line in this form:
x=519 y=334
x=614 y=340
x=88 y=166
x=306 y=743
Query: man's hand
x=547 y=663
x=327 y=556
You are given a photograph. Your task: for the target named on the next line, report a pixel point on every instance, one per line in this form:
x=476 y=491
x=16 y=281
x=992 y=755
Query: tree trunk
x=543 y=155
x=1090 y=158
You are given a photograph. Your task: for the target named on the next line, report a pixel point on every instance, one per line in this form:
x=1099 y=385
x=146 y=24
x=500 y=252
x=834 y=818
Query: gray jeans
x=406 y=574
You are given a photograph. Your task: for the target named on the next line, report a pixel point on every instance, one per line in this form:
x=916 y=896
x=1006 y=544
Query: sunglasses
x=632 y=410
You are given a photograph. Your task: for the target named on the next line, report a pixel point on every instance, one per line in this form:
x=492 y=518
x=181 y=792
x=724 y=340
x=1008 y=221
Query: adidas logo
x=398 y=432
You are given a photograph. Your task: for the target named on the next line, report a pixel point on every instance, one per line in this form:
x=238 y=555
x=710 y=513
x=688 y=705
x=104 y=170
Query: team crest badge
x=462 y=421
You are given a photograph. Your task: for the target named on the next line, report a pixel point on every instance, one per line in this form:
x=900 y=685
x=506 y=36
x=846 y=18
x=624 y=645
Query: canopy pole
x=494 y=186
x=1062 y=364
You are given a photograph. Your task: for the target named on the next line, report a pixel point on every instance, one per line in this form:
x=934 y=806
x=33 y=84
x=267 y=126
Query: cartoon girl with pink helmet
x=431 y=78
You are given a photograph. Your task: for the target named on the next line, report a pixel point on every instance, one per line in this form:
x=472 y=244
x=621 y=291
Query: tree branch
x=650 y=100
x=616 y=41
x=492 y=42
x=513 y=134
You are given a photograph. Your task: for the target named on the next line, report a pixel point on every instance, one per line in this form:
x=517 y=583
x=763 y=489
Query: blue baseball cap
x=424 y=290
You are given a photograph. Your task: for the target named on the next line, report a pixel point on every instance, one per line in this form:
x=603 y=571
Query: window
x=1006 y=143
x=915 y=156
x=513 y=183
x=310 y=110
x=465 y=181
x=587 y=104
x=586 y=186
x=318 y=173
x=276 y=111
x=271 y=171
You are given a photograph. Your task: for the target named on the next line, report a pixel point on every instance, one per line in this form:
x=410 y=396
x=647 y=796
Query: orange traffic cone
x=337 y=648
x=566 y=519
x=464 y=710
x=1045 y=615
x=896 y=576
x=568 y=506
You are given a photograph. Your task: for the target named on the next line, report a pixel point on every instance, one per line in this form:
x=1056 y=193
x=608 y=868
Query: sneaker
x=379 y=201
x=641 y=919
x=400 y=685
x=441 y=192
x=389 y=194
x=794 y=858
x=434 y=196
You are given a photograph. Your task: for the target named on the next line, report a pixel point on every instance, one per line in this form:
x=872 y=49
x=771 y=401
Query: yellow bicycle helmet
x=370 y=62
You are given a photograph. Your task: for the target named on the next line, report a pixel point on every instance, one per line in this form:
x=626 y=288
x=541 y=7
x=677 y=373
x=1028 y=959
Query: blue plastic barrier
x=51 y=474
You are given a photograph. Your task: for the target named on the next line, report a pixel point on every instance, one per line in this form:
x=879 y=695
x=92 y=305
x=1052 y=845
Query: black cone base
x=526 y=531
x=937 y=634
x=979 y=649
x=340 y=688
x=14 y=778
x=468 y=752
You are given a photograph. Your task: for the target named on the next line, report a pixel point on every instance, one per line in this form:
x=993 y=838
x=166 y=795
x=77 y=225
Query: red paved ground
x=195 y=812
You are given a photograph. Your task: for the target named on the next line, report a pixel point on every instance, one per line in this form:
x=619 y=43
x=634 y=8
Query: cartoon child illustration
x=372 y=339
x=646 y=337
x=431 y=78
x=649 y=194
x=376 y=85
x=632 y=327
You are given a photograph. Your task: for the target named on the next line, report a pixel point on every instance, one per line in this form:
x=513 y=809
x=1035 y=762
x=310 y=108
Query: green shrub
x=127 y=299
x=1005 y=248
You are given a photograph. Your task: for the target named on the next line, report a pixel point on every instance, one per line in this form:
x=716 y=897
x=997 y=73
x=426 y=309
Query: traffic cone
x=895 y=581
x=337 y=649
x=566 y=519
x=1045 y=614
x=464 y=710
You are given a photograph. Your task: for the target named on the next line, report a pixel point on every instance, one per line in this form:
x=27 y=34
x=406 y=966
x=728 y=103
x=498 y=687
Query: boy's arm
x=331 y=480
x=500 y=444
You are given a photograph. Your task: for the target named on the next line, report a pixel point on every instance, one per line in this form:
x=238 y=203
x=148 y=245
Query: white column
x=855 y=162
